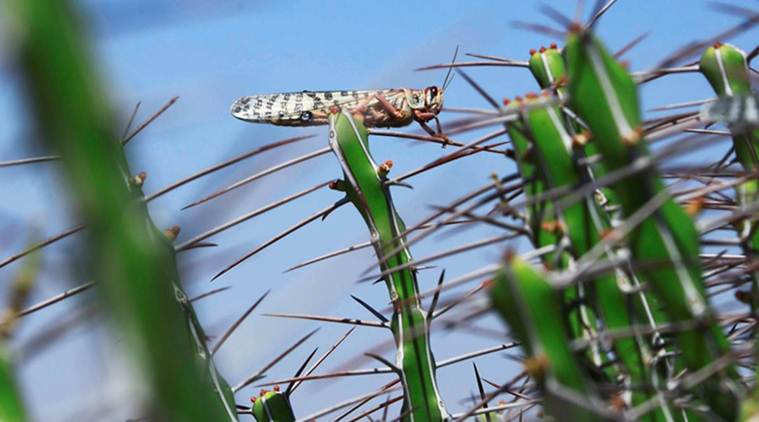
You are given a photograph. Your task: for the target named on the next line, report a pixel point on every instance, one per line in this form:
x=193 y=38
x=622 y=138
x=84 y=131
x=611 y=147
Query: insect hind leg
x=423 y=117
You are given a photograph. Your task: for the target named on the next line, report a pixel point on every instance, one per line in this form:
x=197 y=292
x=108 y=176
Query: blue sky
x=211 y=52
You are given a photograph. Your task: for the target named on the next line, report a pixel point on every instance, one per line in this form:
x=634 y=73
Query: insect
x=395 y=107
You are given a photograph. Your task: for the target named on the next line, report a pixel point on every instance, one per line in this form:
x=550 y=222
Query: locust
x=378 y=108
x=383 y=108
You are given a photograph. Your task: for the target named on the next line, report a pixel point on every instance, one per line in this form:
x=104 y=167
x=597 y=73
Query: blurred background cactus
x=582 y=246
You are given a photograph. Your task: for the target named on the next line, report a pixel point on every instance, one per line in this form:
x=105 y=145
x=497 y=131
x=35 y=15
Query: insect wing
x=301 y=108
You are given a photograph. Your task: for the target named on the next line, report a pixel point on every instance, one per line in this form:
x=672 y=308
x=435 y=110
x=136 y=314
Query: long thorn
x=465 y=150
x=352 y=248
x=371 y=309
x=209 y=293
x=300 y=370
x=130 y=121
x=276 y=360
x=515 y=63
x=324 y=357
x=382 y=406
x=338 y=320
x=427 y=138
x=478 y=353
x=266 y=172
x=481 y=390
x=245 y=217
x=478 y=88
x=227 y=163
x=150 y=120
x=237 y=323
x=457 y=202
x=31 y=160
x=458 y=249
x=53 y=300
x=314 y=416
x=597 y=15
x=276 y=238
x=627 y=47
x=538 y=28
x=331 y=375
x=436 y=297
x=468 y=64
x=42 y=244
x=330 y=255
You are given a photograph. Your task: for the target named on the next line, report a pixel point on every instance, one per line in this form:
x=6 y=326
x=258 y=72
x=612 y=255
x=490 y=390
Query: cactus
x=608 y=289
x=666 y=234
x=366 y=188
x=135 y=263
x=272 y=406
x=531 y=306
x=726 y=69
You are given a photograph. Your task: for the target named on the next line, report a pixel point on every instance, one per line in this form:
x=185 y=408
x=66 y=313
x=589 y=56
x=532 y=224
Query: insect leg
x=423 y=117
x=388 y=107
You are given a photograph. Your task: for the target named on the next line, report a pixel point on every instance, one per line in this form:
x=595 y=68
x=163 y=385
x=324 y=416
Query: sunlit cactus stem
x=584 y=223
x=532 y=307
x=365 y=187
x=12 y=407
x=604 y=95
x=726 y=69
x=131 y=259
x=548 y=67
x=546 y=230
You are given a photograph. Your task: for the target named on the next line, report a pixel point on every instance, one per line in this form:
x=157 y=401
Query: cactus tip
x=139 y=179
x=692 y=208
x=536 y=366
x=488 y=283
x=172 y=232
x=633 y=138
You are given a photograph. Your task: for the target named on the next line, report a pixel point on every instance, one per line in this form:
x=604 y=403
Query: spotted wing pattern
x=305 y=108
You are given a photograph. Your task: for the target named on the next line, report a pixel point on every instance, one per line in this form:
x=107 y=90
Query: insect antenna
x=446 y=80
